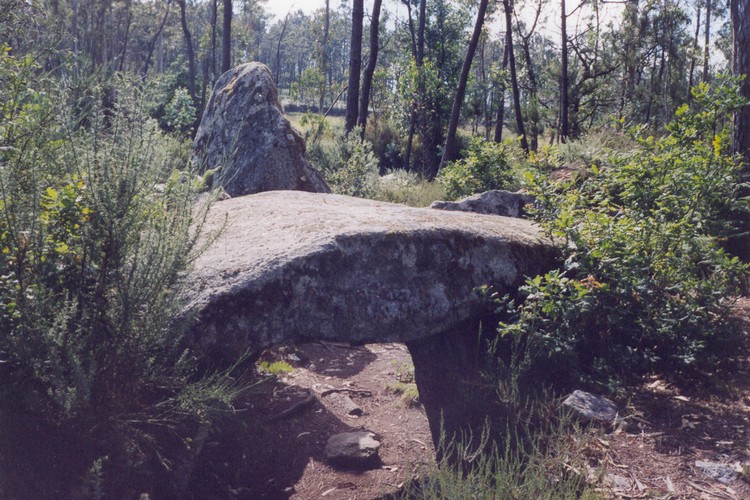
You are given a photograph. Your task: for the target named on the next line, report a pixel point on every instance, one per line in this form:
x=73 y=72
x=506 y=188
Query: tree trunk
x=152 y=42
x=355 y=65
x=413 y=117
x=226 y=37
x=691 y=78
x=278 y=49
x=324 y=56
x=450 y=151
x=707 y=41
x=501 y=105
x=513 y=77
x=631 y=43
x=371 y=63
x=740 y=11
x=564 y=77
x=189 y=49
x=124 y=52
x=214 y=23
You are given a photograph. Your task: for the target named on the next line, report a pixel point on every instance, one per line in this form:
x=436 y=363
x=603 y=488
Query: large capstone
x=293 y=267
x=245 y=139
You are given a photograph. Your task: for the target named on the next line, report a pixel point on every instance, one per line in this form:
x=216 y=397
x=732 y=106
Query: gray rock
x=493 y=202
x=353 y=449
x=592 y=407
x=721 y=472
x=244 y=136
x=617 y=482
x=292 y=267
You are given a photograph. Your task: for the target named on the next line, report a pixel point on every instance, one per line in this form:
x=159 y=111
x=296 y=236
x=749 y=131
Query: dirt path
x=272 y=457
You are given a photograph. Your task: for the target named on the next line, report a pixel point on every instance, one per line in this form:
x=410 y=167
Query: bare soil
x=275 y=453
x=272 y=452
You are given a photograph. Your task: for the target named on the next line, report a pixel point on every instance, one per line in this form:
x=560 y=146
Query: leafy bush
x=179 y=112
x=486 y=166
x=91 y=255
x=346 y=161
x=645 y=284
x=387 y=144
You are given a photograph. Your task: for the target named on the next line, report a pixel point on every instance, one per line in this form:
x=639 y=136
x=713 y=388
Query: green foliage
x=409 y=188
x=179 y=113
x=275 y=368
x=348 y=163
x=486 y=166
x=530 y=461
x=645 y=284
x=307 y=89
x=91 y=255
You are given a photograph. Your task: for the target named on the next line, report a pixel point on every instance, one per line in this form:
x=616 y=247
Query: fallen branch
x=366 y=394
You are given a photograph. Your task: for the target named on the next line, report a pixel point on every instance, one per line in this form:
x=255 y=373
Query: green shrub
x=179 y=112
x=346 y=161
x=531 y=460
x=275 y=368
x=487 y=165
x=91 y=255
x=645 y=284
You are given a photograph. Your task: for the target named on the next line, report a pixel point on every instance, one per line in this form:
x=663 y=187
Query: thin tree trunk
x=501 y=105
x=371 y=63
x=564 y=76
x=152 y=42
x=214 y=23
x=413 y=117
x=124 y=52
x=324 y=56
x=190 y=50
x=631 y=44
x=226 y=37
x=707 y=41
x=691 y=78
x=513 y=77
x=355 y=65
x=278 y=49
x=450 y=151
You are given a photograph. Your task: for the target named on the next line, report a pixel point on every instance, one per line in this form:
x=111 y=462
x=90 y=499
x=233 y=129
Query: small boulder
x=245 y=139
x=721 y=472
x=592 y=407
x=357 y=449
x=494 y=202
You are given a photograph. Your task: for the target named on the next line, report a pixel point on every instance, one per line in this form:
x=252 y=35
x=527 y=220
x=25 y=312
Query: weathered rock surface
x=353 y=449
x=292 y=266
x=592 y=407
x=243 y=131
x=723 y=473
x=495 y=202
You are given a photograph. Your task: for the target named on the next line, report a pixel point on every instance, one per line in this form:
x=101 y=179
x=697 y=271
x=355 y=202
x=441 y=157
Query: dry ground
x=671 y=424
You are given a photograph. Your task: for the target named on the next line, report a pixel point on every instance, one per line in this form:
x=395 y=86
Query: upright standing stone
x=245 y=136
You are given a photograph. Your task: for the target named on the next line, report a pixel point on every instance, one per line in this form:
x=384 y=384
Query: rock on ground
x=244 y=134
x=353 y=449
x=493 y=202
x=592 y=407
x=721 y=472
